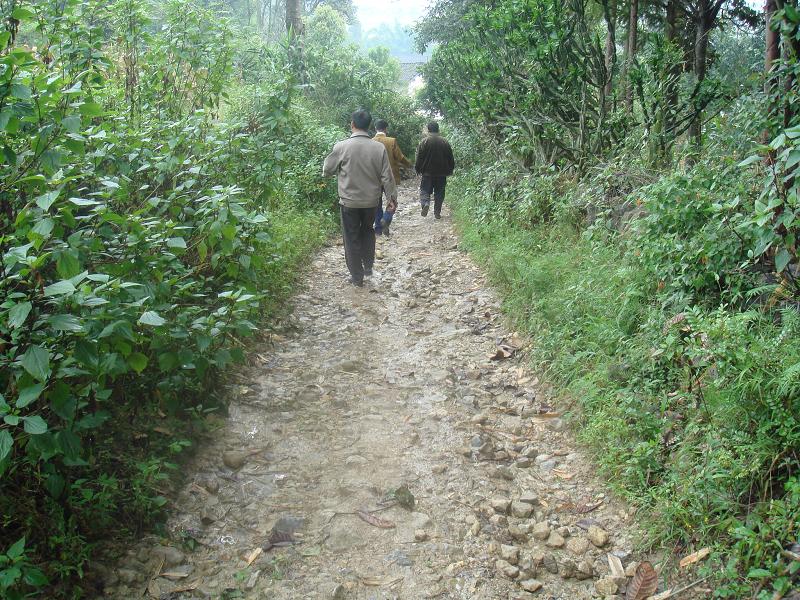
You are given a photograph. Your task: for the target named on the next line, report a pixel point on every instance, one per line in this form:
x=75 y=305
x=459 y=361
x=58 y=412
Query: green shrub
x=685 y=390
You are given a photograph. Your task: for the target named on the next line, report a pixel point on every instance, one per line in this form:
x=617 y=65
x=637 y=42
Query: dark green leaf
x=65 y=323
x=45 y=201
x=151 y=317
x=36 y=361
x=60 y=288
x=137 y=361
x=35 y=425
x=6 y=443
x=18 y=314
x=16 y=549
x=91 y=109
x=29 y=395
x=782 y=258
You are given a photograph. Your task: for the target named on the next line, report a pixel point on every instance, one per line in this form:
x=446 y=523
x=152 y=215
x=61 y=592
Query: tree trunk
x=633 y=28
x=773 y=51
x=294 y=26
x=703 y=25
x=610 y=15
x=673 y=71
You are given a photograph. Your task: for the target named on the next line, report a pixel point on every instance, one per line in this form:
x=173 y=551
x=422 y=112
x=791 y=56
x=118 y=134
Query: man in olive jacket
x=364 y=174
x=435 y=163
x=396 y=159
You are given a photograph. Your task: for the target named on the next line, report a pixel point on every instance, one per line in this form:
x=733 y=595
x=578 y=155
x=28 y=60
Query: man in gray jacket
x=364 y=173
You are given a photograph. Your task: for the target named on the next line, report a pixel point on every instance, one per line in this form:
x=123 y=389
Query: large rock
x=234 y=459
x=541 y=531
x=598 y=536
x=506 y=569
x=578 y=545
x=607 y=586
x=531 y=585
x=521 y=510
x=172 y=556
x=555 y=540
x=584 y=570
x=518 y=533
x=509 y=554
x=500 y=505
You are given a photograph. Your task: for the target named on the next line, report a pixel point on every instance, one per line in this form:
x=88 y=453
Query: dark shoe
x=437 y=216
x=357 y=283
x=385 y=230
x=425 y=208
x=367 y=273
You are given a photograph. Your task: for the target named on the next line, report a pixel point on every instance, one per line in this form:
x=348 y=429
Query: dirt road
x=402 y=386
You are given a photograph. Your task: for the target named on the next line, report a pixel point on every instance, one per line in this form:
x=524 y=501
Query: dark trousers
x=359 y=240
x=432 y=184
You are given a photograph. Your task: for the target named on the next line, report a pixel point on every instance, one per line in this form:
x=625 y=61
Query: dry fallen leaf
x=644 y=582
x=694 y=557
x=585 y=507
x=379 y=581
x=563 y=474
x=615 y=565
x=374 y=520
x=545 y=417
x=254 y=555
x=174 y=575
x=503 y=351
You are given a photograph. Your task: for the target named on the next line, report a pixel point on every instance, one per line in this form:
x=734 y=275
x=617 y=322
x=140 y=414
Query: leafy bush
x=140 y=241
x=675 y=358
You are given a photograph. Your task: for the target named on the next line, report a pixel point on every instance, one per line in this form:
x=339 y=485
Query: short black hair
x=381 y=125
x=361 y=119
x=433 y=127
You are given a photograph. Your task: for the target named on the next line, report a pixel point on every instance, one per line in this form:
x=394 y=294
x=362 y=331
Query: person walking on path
x=396 y=159
x=364 y=174
x=435 y=163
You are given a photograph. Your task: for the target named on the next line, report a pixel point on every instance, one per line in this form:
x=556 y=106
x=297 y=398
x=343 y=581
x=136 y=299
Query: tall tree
x=630 y=55
x=294 y=24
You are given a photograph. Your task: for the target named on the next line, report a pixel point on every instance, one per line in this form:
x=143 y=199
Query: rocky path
x=392 y=444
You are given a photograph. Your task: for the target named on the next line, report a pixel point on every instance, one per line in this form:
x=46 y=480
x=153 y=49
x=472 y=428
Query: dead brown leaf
x=586 y=507
x=563 y=474
x=374 y=520
x=644 y=582
x=174 y=575
x=254 y=555
x=545 y=417
x=694 y=557
x=503 y=351
x=379 y=581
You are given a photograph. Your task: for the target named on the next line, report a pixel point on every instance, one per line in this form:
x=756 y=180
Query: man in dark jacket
x=435 y=163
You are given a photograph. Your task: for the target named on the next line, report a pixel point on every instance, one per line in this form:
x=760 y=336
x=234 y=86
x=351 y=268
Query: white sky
x=372 y=13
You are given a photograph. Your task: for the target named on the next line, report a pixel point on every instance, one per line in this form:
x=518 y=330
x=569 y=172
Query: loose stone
x=598 y=536
x=578 y=545
x=607 y=586
x=540 y=531
x=521 y=510
x=584 y=570
x=555 y=540
x=506 y=569
x=509 y=554
x=500 y=505
x=531 y=585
